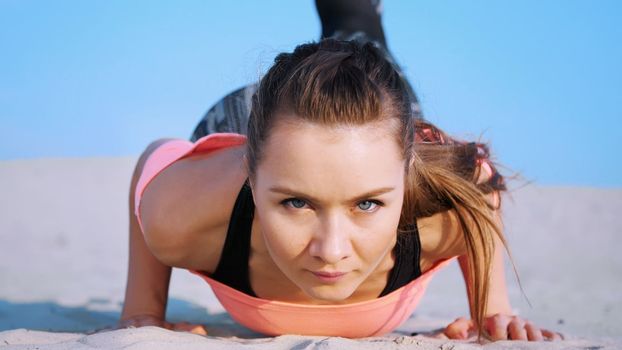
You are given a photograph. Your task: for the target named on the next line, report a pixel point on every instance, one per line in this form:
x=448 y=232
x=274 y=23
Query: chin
x=331 y=293
x=334 y=296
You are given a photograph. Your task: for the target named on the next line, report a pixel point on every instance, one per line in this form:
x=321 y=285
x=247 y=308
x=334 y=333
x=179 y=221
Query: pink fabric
x=369 y=318
x=171 y=151
x=364 y=319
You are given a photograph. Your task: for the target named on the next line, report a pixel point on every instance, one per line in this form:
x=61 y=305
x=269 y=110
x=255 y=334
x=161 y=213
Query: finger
x=533 y=332
x=192 y=328
x=552 y=336
x=497 y=326
x=516 y=329
x=459 y=329
x=199 y=329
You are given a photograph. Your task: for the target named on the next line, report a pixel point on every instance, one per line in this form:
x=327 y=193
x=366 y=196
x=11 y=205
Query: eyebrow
x=372 y=193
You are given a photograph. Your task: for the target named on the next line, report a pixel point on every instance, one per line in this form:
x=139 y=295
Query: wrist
x=149 y=303
x=135 y=321
x=499 y=307
x=125 y=317
x=137 y=311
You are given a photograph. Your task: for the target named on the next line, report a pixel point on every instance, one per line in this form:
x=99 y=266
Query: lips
x=329 y=277
x=329 y=274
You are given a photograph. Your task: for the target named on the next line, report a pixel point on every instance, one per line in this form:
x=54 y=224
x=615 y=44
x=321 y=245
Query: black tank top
x=232 y=269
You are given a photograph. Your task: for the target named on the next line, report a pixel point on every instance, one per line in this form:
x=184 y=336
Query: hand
x=148 y=320
x=501 y=327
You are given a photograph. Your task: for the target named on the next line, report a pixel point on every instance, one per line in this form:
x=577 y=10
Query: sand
x=63 y=260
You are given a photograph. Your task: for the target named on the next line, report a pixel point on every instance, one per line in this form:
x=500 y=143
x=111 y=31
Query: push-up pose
x=320 y=202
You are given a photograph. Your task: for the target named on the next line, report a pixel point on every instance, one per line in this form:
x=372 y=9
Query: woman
x=327 y=210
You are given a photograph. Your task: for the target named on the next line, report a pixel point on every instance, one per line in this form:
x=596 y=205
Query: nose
x=331 y=243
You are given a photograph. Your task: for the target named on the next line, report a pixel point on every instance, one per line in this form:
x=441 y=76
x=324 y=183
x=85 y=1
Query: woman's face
x=329 y=199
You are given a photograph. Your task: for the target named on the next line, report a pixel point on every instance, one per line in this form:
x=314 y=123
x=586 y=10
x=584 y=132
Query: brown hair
x=344 y=82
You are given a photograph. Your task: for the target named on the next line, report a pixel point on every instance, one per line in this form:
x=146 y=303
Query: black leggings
x=358 y=20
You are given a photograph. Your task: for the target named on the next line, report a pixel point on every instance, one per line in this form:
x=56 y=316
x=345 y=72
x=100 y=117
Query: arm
x=450 y=243
x=146 y=294
x=498 y=301
x=148 y=279
x=499 y=319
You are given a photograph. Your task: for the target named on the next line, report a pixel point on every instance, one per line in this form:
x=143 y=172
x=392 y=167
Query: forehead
x=331 y=160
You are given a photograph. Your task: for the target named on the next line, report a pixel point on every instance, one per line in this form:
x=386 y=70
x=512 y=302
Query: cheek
x=284 y=239
x=375 y=239
x=379 y=233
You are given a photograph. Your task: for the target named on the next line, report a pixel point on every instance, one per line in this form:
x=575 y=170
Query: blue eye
x=368 y=205
x=295 y=203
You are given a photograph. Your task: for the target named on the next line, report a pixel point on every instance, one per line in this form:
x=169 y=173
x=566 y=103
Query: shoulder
x=185 y=206
x=441 y=238
x=442 y=235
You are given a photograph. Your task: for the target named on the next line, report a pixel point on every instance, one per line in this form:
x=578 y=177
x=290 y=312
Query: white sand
x=63 y=258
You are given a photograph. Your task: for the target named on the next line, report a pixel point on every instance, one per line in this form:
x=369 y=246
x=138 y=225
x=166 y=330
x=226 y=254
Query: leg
x=230 y=114
x=344 y=18
x=360 y=20
x=341 y=19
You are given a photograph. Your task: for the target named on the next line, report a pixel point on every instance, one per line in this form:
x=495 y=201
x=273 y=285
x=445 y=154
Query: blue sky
x=540 y=80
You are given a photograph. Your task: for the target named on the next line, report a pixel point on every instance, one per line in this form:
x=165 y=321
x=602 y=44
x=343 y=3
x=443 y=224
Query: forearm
x=147 y=282
x=148 y=279
x=498 y=301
